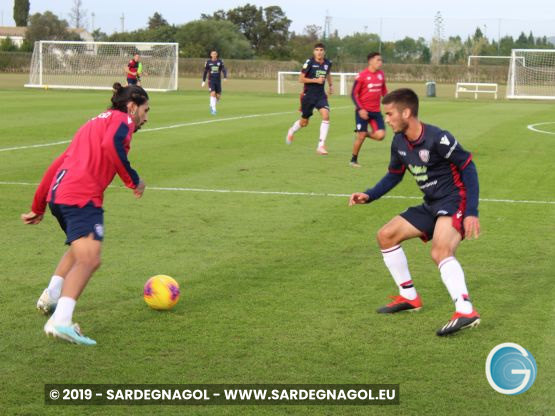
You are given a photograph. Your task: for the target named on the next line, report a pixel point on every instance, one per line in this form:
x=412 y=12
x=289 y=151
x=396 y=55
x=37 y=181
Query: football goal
x=97 y=65
x=288 y=82
x=532 y=74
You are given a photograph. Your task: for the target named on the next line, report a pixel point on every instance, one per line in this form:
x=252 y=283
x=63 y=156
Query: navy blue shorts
x=424 y=216
x=215 y=85
x=79 y=222
x=375 y=120
x=131 y=81
x=310 y=102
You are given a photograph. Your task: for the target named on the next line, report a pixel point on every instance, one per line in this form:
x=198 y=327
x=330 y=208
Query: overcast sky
x=405 y=18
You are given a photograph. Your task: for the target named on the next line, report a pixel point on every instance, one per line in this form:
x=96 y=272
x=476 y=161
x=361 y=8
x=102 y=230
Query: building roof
x=13 y=31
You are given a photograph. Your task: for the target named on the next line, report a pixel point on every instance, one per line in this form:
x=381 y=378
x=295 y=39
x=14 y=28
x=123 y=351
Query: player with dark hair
x=315 y=72
x=213 y=69
x=132 y=70
x=447 y=176
x=368 y=89
x=73 y=186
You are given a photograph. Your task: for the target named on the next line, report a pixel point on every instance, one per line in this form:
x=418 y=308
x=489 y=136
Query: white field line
x=317 y=194
x=172 y=126
x=533 y=127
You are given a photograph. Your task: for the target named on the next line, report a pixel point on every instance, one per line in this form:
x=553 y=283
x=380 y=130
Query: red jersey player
x=368 y=89
x=73 y=186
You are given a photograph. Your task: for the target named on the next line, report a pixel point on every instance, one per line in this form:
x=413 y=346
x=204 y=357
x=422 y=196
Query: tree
x=313 y=32
x=99 y=36
x=7 y=45
x=21 y=12
x=156 y=21
x=77 y=14
x=48 y=26
x=199 y=37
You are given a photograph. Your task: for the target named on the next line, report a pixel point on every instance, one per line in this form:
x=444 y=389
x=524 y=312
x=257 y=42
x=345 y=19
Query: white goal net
x=288 y=82
x=97 y=65
x=532 y=74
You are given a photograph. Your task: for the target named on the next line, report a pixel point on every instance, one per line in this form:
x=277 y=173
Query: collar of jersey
x=417 y=142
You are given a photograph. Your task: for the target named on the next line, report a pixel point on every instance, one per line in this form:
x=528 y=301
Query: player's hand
x=358 y=198
x=363 y=114
x=203 y=84
x=225 y=79
x=319 y=80
x=31 y=218
x=140 y=189
x=471 y=227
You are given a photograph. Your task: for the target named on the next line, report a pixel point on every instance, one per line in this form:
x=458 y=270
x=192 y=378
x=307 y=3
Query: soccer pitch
x=280 y=279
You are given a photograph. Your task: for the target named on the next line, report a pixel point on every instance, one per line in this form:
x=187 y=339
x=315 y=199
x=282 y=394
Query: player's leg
x=213 y=99
x=361 y=131
x=307 y=107
x=49 y=298
x=324 y=110
x=378 y=126
x=414 y=222
x=444 y=245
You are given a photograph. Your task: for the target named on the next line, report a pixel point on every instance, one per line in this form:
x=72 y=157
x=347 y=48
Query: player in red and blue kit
x=73 y=186
x=447 y=176
x=368 y=89
x=213 y=68
x=314 y=74
x=132 y=70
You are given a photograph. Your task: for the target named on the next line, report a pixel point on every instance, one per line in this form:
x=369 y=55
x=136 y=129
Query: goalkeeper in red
x=368 y=89
x=445 y=173
x=73 y=187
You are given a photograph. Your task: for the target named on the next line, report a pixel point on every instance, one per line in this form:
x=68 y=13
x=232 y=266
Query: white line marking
x=173 y=126
x=533 y=127
x=320 y=194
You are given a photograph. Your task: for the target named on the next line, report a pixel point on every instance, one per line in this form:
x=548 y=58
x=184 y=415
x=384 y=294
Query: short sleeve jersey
x=314 y=69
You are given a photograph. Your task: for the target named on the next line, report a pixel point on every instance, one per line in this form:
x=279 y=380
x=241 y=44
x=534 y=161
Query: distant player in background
x=368 y=89
x=73 y=186
x=140 y=72
x=131 y=70
x=445 y=173
x=213 y=69
x=315 y=72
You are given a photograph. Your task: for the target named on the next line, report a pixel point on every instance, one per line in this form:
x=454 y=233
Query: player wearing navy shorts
x=447 y=176
x=213 y=68
x=73 y=187
x=131 y=70
x=368 y=89
x=314 y=74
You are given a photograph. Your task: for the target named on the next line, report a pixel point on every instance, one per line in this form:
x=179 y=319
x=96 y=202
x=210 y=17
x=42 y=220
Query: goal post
x=288 y=82
x=97 y=65
x=531 y=74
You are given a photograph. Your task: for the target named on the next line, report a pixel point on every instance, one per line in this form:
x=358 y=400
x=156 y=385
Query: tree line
x=251 y=32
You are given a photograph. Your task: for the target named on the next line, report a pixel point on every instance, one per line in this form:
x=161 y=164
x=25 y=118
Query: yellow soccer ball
x=161 y=292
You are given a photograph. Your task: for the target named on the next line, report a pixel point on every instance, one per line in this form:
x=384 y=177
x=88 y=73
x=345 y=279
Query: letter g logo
x=510 y=369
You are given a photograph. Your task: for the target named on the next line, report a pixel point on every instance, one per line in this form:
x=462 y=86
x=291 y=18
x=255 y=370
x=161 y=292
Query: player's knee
x=303 y=122
x=386 y=237
x=440 y=253
x=379 y=135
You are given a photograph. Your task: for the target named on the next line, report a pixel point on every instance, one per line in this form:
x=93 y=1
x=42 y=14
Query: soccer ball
x=161 y=292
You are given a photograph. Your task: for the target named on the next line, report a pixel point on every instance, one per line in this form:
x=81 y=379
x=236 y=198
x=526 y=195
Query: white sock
x=55 y=287
x=295 y=127
x=396 y=261
x=213 y=101
x=63 y=314
x=453 y=278
x=324 y=127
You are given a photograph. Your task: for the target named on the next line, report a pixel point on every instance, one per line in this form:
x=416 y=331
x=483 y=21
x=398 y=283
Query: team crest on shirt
x=380 y=76
x=99 y=230
x=424 y=155
x=326 y=67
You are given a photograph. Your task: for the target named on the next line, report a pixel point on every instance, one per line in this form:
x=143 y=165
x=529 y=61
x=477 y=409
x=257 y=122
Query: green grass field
x=276 y=288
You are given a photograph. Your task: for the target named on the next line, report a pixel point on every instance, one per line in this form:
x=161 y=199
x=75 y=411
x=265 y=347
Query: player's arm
x=391 y=179
x=223 y=69
x=355 y=96
x=39 y=201
x=113 y=144
x=205 y=73
x=330 y=82
x=448 y=147
x=384 y=88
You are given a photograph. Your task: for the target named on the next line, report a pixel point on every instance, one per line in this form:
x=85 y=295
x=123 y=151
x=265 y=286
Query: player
x=369 y=87
x=213 y=68
x=445 y=173
x=315 y=72
x=73 y=186
x=131 y=70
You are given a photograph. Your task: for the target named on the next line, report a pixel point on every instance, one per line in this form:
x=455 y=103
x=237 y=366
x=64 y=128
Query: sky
x=408 y=18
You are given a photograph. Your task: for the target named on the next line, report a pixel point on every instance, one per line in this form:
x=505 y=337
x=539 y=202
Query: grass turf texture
x=276 y=288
